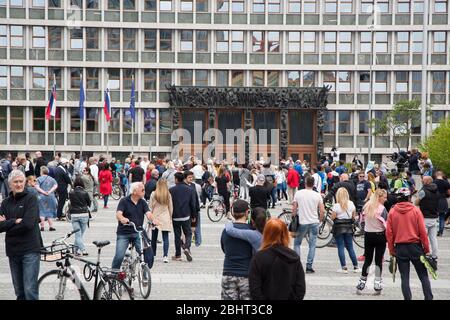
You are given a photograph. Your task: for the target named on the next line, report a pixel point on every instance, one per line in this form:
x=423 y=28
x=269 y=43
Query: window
x=150 y=79
x=237 y=41
x=273 y=41
x=403 y=7
x=113 y=39
x=383 y=6
x=345 y=81
x=274 y=6
x=222 y=5
x=222 y=41
x=381 y=81
x=329 y=42
x=381 y=42
x=330 y=6
x=345 y=42
x=92 y=82
x=55 y=37
x=364 y=81
x=440 y=6
x=294 y=42
x=294 y=6
x=309 y=6
x=186 y=40
x=258 y=41
x=258 y=6
x=165 y=5
x=127 y=122
x=150 y=40
x=330 y=122
x=416 y=81
x=345 y=122
x=129 y=39
x=17 y=118
x=438 y=81
x=57 y=72
x=268 y=121
x=38 y=37
x=92 y=115
x=366 y=42
x=92 y=38
x=16 y=36
x=75 y=77
x=293 y=78
x=114 y=79
x=38 y=77
x=150 y=120
x=54 y=3
x=346 y=6
x=258 y=78
x=367 y=6
x=237 y=78
x=186 y=5
x=401 y=81
x=165 y=127
x=39 y=119
x=150 y=5
x=238 y=6
x=309 y=78
x=202 y=41
x=417 y=42
x=76 y=38
x=202 y=5
x=113 y=5
x=418 y=6
x=77 y=3
x=436 y=118
x=201 y=78
x=186 y=77
x=165 y=79
x=165 y=40
x=16 y=3
x=363 y=122
x=92 y=4
x=127 y=78
x=17 y=78
x=3 y=75
x=273 y=78
x=309 y=41
x=3 y=36
x=402 y=42
x=222 y=78
x=38 y=3
x=114 y=124
x=439 y=42
x=329 y=79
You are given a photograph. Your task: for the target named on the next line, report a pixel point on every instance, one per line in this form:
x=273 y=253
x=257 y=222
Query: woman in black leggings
x=222 y=187
x=375 y=217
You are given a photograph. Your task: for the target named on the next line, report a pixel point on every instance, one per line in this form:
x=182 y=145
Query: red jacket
x=105 y=178
x=293 y=178
x=406 y=225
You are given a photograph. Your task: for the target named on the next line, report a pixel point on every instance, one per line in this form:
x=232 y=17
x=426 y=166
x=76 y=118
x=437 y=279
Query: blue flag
x=132 y=102
x=82 y=99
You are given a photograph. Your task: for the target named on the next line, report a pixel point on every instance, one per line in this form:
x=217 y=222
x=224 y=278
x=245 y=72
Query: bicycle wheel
x=324 y=235
x=145 y=280
x=116 y=192
x=54 y=285
x=215 y=210
x=112 y=288
x=286 y=217
x=358 y=235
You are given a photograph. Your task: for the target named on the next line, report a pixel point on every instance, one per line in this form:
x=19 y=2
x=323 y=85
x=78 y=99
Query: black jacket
x=429 y=204
x=25 y=237
x=183 y=200
x=40 y=162
x=79 y=201
x=349 y=185
x=276 y=273
x=259 y=195
x=62 y=178
x=150 y=186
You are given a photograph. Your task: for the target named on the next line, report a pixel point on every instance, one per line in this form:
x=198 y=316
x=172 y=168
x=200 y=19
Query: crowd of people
x=171 y=193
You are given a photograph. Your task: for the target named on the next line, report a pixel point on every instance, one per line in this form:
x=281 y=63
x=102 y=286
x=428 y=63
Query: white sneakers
x=166 y=259
x=345 y=270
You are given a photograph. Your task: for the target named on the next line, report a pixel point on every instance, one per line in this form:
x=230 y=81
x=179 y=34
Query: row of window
x=158 y=79
x=261 y=41
x=257 y=6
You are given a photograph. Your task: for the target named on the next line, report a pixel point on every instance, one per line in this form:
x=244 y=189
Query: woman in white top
x=375 y=217
x=343 y=212
x=280 y=177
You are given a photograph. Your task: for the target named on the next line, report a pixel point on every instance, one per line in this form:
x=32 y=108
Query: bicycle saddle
x=100 y=244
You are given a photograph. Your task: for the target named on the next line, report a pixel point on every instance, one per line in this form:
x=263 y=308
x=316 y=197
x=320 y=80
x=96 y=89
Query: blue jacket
x=238 y=253
x=183 y=200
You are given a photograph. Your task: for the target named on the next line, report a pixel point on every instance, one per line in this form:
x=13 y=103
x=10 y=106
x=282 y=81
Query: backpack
x=3 y=175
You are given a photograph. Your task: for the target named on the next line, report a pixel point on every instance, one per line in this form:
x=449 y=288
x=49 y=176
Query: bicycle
x=116 y=193
x=134 y=265
x=63 y=282
x=216 y=208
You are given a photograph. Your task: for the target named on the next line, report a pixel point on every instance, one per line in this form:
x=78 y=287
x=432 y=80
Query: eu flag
x=132 y=101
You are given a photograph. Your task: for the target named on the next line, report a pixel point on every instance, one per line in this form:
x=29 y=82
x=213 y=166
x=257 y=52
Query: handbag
x=341 y=226
x=294 y=224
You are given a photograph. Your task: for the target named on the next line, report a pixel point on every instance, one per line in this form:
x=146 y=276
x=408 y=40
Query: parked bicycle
x=216 y=208
x=63 y=283
x=134 y=264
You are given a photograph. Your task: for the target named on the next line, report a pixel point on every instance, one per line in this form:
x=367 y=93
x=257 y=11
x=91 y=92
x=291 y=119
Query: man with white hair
x=131 y=208
x=169 y=174
x=19 y=218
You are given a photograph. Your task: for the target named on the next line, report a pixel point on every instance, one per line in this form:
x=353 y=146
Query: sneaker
x=431 y=265
x=377 y=285
x=361 y=258
x=342 y=270
x=165 y=259
x=309 y=270
x=356 y=269
x=188 y=255
x=105 y=207
x=361 y=285
x=85 y=253
x=51 y=229
x=176 y=258
x=42 y=229
x=439 y=234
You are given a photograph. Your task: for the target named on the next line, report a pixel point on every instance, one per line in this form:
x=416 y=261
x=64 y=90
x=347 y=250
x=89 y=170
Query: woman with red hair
x=276 y=272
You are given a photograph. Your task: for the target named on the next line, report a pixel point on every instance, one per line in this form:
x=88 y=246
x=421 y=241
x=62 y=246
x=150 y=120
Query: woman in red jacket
x=105 y=178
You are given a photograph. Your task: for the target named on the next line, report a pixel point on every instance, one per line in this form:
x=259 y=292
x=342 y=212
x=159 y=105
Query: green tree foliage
x=438 y=146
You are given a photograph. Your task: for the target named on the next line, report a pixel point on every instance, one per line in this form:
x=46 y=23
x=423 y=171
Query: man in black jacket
x=344 y=182
x=19 y=218
x=63 y=179
x=39 y=161
x=184 y=210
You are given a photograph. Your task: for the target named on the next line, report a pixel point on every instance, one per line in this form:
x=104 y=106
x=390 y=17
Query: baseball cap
x=240 y=206
x=261 y=177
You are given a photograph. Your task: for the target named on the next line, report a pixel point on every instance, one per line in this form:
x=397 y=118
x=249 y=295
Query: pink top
x=377 y=223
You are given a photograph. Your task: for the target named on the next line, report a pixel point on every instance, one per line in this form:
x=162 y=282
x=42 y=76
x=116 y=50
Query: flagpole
x=132 y=120
x=107 y=122
x=81 y=117
x=54 y=121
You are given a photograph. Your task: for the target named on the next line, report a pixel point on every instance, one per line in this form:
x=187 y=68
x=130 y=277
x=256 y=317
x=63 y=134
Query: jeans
x=442 y=222
x=273 y=194
x=411 y=252
x=121 y=247
x=374 y=242
x=198 y=232
x=207 y=193
x=312 y=230
x=165 y=236
x=184 y=226
x=79 y=223
x=346 y=240
x=4 y=188
x=24 y=273
x=62 y=197
x=281 y=191
x=105 y=200
x=431 y=225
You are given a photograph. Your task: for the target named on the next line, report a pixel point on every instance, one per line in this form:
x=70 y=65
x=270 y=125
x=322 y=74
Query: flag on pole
x=82 y=98
x=51 y=107
x=107 y=105
x=132 y=101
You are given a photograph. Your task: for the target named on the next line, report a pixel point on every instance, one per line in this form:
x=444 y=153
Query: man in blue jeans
x=19 y=218
x=131 y=208
x=306 y=204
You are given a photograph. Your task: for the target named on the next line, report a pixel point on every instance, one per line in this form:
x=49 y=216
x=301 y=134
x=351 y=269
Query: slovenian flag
x=107 y=105
x=51 y=107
